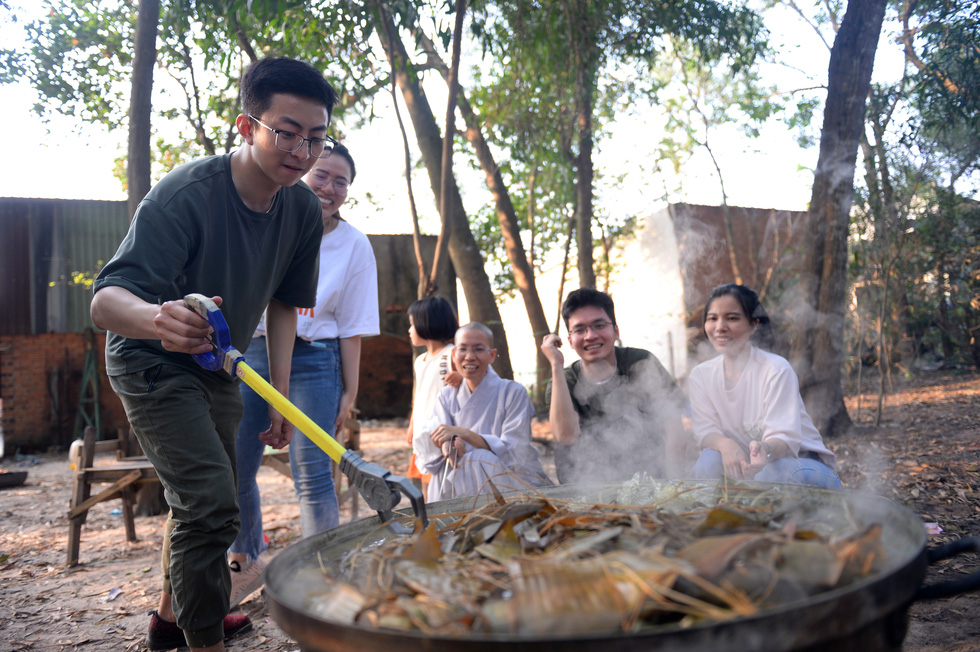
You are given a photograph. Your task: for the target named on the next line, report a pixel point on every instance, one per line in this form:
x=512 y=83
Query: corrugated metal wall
x=15 y=270
x=44 y=243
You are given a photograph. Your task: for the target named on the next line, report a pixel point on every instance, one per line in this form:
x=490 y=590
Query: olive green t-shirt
x=193 y=233
x=620 y=421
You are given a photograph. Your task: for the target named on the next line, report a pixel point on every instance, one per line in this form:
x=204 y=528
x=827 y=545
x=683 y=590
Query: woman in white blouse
x=747 y=413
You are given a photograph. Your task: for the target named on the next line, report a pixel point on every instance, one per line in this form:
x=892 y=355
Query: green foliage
x=526 y=97
x=78 y=57
x=915 y=235
x=801 y=120
x=912 y=255
x=698 y=99
x=945 y=39
x=79 y=60
x=947 y=288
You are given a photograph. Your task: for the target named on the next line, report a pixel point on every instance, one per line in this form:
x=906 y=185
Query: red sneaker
x=165 y=635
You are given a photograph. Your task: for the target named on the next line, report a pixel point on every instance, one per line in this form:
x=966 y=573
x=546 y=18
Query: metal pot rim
x=890 y=589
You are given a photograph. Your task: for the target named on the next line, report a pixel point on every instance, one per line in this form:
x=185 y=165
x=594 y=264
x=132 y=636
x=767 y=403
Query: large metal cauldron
x=865 y=616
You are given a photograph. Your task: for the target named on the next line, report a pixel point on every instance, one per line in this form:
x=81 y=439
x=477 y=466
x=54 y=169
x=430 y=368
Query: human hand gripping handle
x=222 y=354
x=181 y=329
x=378 y=486
x=452 y=441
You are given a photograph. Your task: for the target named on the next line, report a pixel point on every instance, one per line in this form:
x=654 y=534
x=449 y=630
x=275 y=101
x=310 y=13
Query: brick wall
x=385 y=385
x=40 y=382
x=41 y=378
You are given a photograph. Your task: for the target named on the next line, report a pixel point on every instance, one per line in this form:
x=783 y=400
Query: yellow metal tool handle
x=380 y=488
x=318 y=435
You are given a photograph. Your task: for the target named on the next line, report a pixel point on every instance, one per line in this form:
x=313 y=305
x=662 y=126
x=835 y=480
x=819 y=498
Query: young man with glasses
x=615 y=412
x=480 y=429
x=238 y=228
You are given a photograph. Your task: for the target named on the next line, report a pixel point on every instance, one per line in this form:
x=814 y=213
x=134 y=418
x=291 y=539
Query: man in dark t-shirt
x=615 y=412
x=241 y=229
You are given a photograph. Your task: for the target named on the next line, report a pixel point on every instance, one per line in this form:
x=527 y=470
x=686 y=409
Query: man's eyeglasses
x=287 y=141
x=596 y=327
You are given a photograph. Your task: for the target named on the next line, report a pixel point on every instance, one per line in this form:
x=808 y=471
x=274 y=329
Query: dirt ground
x=924 y=455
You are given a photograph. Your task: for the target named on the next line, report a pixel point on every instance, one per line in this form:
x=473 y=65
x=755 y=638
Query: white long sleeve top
x=764 y=404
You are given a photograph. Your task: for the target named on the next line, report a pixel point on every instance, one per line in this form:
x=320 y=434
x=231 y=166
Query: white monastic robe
x=498 y=410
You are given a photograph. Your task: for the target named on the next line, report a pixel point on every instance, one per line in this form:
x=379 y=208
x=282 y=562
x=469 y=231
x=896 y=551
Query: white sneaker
x=245 y=582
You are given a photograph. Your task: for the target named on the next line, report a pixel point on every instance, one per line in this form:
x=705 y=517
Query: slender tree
x=510 y=227
x=818 y=354
x=463 y=250
x=144 y=60
x=452 y=80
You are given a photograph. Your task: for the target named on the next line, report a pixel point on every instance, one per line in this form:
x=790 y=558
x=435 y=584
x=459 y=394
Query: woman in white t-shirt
x=325 y=366
x=747 y=412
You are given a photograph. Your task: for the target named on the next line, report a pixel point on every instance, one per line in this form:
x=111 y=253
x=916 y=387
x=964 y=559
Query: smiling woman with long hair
x=748 y=415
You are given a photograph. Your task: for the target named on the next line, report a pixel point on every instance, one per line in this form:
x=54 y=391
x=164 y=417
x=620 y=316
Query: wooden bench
x=130 y=470
x=350 y=438
x=124 y=475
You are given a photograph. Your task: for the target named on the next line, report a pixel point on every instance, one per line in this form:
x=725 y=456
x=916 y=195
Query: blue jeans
x=314 y=388
x=786 y=470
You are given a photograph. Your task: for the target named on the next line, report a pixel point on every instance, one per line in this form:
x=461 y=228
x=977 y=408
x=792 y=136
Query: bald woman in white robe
x=479 y=430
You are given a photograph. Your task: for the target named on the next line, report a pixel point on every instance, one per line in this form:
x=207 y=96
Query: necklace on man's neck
x=272 y=203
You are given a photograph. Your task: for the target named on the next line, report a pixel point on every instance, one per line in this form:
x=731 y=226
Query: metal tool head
x=223 y=355
x=381 y=489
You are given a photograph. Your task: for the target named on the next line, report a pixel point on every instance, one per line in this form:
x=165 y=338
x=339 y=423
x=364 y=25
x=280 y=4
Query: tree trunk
x=145 y=56
x=445 y=233
x=823 y=281
x=582 y=57
x=463 y=250
x=945 y=323
x=583 y=188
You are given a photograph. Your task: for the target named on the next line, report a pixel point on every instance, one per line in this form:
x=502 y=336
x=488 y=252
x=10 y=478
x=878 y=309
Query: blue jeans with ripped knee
x=786 y=470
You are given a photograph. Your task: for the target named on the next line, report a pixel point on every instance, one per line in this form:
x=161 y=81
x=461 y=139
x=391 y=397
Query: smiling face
x=329 y=178
x=290 y=113
x=727 y=327
x=473 y=355
x=592 y=335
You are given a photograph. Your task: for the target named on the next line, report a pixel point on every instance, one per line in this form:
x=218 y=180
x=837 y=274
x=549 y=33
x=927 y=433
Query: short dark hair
x=434 y=319
x=344 y=153
x=265 y=77
x=584 y=298
x=751 y=307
